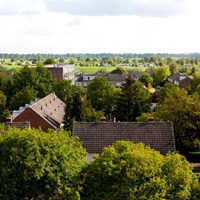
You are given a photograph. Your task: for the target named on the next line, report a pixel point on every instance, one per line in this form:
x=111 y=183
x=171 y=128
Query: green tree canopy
x=22 y=97
x=119 y=70
x=72 y=96
x=4 y=79
x=195 y=83
x=146 y=79
x=174 y=67
x=101 y=94
x=134 y=171
x=49 y=61
x=184 y=111
x=4 y=113
x=25 y=77
x=43 y=82
x=161 y=74
x=132 y=100
x=38 y=165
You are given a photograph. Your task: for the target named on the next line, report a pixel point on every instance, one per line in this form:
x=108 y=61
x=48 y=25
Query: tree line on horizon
x=43 y=56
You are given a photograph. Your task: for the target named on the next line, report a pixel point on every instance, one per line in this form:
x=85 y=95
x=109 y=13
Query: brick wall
x=35 y=120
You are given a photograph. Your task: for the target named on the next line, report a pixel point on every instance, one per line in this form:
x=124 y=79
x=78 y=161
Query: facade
x=62 y=71
x=46 y=113
x=96 y=136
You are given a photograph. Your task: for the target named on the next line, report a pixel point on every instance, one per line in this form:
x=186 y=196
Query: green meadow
x=93 y=70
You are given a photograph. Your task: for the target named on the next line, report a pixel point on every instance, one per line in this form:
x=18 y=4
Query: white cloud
x=155 y=8
x=30 y=26
x=25 y=7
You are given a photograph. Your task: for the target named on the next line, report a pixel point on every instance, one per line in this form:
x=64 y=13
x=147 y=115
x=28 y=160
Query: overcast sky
x=99 y=26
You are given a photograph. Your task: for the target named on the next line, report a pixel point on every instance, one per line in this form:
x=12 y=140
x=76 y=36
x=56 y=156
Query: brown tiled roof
x=51 y=108
x=20 y=125
x=96 y=136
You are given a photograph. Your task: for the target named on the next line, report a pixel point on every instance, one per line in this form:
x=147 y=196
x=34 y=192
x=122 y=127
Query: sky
x=99 y=26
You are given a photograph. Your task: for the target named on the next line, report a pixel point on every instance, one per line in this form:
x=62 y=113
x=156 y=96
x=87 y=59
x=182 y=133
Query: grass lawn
x=11 y=67
x=93 y=70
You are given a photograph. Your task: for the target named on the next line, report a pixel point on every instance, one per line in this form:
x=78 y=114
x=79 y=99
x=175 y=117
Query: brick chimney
x=9 y=119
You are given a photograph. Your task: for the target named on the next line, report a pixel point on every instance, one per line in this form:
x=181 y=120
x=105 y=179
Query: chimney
x=150 y=119
x=9 y=119
x=103 y=119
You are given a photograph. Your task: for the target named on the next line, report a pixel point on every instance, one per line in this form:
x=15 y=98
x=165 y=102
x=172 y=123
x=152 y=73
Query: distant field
x=93 y=70
x=5 y=59
x=11 y=67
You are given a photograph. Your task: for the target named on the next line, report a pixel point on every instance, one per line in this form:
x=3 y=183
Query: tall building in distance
x=62 y=71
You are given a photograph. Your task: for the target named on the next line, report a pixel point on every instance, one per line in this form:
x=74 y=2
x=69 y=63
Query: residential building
x=62 y=71
x=46 y=113
x=181 y=80
x=96 y=136
x=115 y=79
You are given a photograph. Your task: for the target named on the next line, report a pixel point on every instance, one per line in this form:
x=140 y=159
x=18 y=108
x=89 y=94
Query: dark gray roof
x=96 y=136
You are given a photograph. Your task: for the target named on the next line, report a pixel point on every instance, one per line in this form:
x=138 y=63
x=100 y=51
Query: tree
x=73 y=108
x=61 y=60
x=184 y=111
x=89 y=113
x=166 y=91
x=49 y=61
x=174 y=67
x=4 y=79
x=25 y=77
x=133 y=171
x=195 y=83
x=4 y=113
x=119 y=70
x=22 y=97
x=43 y=82
x=160 y=74
x=72 y=96
x=132 y=100
x=146 y=79
x=101 y=95
x=38 y=165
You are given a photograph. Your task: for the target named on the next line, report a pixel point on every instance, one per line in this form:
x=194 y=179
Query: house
x=96 y=136
x=115 y=79
x=46 y=113
x=181 y=80
x=62 y=71
x=83 y=80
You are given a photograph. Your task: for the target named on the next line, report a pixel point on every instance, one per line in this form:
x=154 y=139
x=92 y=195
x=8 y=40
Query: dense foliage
x=183 y=110
x=38 y=165
x=101 y=94
x=133 y=99
x=134 y=171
